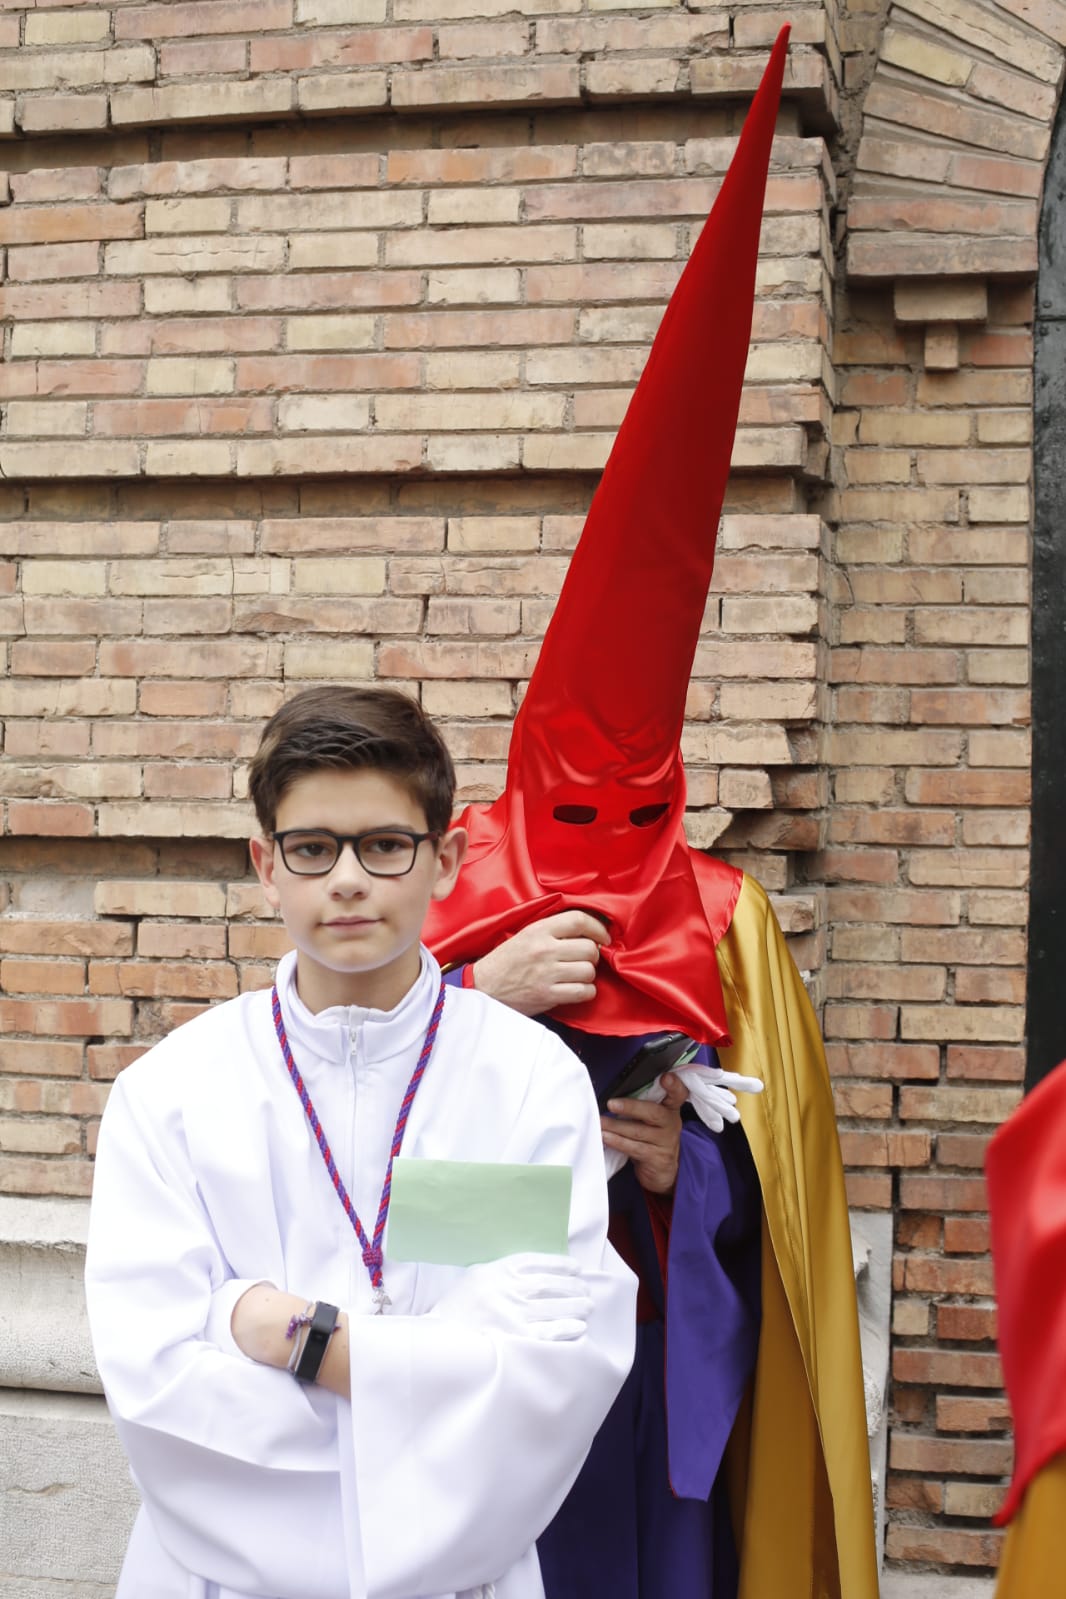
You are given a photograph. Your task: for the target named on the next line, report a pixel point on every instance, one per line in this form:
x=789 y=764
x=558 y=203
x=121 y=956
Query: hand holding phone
x=651 y=1060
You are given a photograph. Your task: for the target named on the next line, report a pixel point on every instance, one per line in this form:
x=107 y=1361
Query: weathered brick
x=169 y=978
x=957 y=1104
x=885 y=1060
x=978 y=1457
x=201 y=17
x=63 y=113
x=41 y=1058
x=52 y=338
x=199 y=176
x=194 y=253
x=203 y=58
x=339 y=661
x=65 y=1018
x=42 y=976
x=31 y=263
x=968 y=1413
x=150 y=819
x=47 y=418
x=317 y=250
x=342 y=92
x=966 y=1235
x=207 y=215
x=50 y=224
x=950 y=1547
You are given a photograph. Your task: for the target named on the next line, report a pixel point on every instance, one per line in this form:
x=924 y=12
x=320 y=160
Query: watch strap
x=319 y=1332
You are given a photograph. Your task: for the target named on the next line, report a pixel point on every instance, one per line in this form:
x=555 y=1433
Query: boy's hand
x=649 y=1134
x=548 y=963
x=532 y=1295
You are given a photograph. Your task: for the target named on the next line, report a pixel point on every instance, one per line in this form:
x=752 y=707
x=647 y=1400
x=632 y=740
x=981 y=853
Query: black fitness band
x=316 y=1342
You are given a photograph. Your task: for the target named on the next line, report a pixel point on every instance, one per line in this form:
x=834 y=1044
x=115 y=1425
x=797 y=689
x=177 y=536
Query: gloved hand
x=712 y=1093
x=529 y=1295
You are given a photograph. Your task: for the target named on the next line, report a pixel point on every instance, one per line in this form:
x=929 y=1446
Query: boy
x=241 y=1192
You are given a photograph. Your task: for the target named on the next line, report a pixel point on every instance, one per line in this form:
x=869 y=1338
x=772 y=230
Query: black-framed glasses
x=381 y=851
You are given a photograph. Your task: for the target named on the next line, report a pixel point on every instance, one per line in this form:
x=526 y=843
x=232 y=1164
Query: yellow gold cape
x=1031 y=1564
x=800 y=1474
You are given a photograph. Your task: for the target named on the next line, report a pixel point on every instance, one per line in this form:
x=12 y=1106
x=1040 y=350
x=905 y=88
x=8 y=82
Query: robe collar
x=383 y=1034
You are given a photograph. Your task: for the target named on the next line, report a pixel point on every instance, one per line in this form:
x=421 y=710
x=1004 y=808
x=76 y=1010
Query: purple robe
x=648 y=1516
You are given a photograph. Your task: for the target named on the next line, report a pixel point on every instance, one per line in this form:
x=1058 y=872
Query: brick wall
x=298 y=400
x=363 y=311
x=927 y=867
x=319 y=318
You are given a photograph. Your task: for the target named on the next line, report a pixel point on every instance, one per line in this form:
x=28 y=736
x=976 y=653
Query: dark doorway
x=1047 y=904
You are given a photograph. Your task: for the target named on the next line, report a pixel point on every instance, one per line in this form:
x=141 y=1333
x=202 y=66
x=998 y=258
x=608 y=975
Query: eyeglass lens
x=312 y=854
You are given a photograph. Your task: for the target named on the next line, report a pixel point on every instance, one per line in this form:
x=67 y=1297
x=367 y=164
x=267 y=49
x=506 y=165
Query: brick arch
x=956 y=129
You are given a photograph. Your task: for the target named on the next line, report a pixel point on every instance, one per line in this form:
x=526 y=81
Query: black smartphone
x=650 y=1061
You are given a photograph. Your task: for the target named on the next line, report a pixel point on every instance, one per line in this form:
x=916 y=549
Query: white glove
x=531 y=1295
x=712 y=1093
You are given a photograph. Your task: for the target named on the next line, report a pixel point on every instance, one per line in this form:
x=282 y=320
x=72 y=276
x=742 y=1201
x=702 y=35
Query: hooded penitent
x=592 y=815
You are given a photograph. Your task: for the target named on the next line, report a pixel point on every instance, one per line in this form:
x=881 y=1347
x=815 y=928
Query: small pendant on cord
x=381 y=1300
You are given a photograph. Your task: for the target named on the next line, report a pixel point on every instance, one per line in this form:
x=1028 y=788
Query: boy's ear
x=262 y=852
x=450 y=852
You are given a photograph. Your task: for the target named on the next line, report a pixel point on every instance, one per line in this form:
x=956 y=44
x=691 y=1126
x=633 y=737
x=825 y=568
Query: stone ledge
x=44 y=1332
x=66 y=1498
x=875 y=256
x=921 y=1585
x=781 y=451
x=135 y=92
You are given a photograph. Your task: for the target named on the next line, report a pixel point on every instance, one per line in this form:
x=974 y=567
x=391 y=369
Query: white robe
x=458 y=1444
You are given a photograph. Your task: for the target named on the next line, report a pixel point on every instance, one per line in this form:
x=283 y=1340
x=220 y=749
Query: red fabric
x=660 y=1214
x=600 y=727
x=1026 y=1171
x=620 y=1234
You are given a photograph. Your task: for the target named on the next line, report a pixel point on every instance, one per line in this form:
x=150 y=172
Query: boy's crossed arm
x=530 y=1295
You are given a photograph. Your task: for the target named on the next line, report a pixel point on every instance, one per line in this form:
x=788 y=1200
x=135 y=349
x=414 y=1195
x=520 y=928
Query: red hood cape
x=593 y=810
x=1026 y=1171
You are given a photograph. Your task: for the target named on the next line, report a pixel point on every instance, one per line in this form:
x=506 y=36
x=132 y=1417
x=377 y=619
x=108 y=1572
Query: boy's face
x=356 y=934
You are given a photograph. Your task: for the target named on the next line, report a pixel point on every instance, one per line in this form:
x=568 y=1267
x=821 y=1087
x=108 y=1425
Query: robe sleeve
x=261 y=1485
x=229 y=1456
x=712 y=1301
x=465 y=1443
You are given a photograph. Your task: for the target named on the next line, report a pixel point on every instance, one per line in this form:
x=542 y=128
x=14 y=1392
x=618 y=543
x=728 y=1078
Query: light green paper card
x=457 y=1213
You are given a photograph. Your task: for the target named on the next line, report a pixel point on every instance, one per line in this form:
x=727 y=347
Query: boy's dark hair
x=351 y=729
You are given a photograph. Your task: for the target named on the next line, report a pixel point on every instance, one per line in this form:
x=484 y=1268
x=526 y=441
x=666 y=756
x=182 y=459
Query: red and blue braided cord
x=372 y=1255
